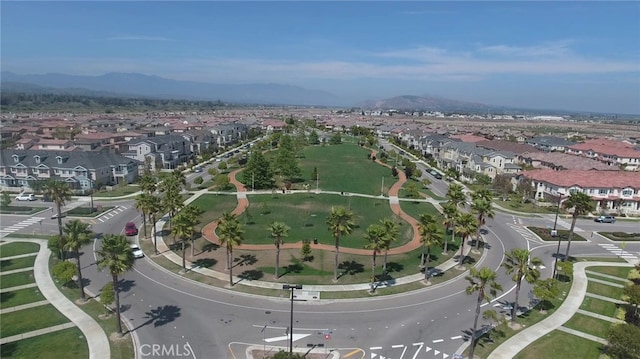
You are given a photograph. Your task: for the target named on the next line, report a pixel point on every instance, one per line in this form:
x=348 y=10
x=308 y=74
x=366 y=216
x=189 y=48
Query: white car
x=137 y=252
x=26 y=197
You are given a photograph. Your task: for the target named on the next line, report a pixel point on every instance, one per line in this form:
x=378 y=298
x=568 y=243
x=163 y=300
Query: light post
x=291 y=287
x=555 y=264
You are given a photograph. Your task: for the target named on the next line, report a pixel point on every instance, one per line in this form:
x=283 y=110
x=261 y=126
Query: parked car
x=26 y=197
x=137 y=252
x=130 y=229
x=605 y=219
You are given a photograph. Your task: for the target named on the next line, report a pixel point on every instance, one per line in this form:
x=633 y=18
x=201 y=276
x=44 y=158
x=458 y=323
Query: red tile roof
x=607 y=147
x=586 y=179
x=468 y=138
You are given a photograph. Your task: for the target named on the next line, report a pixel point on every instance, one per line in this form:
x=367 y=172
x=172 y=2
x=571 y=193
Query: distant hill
x=426 y=103
x=139 y=85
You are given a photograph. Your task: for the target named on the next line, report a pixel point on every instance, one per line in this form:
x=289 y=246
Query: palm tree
x=482 y=193
x=231 y=235
x=117 y=257
x=148 y=183
x=278 y=230
x=430 y=237
x=171 y=186
x=143 y=204
x=183 y=228
x=155 y=207
x=391 y=235
x=340 y=222
x=581 y=204
x=481 y=280
x=376 y=235
x=519 y=263
x=466 y=225
x=78 y=234
x=450 y=212
x=59 y=192
x=456 y=195
x=482 y=207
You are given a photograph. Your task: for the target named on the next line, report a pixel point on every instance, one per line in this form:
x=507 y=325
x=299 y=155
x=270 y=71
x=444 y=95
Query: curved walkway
x=209 y=230
x=93 y=333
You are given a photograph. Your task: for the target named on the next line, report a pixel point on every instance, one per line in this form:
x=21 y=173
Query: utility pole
x=555 y=264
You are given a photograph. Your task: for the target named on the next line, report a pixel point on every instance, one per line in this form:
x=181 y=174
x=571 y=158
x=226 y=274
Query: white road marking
x=286 y=337
x=438 y=341
x=456 y=337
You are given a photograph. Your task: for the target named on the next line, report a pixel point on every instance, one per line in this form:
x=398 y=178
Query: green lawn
x=213 y=205
x=599 y=306
x=67 y=343
x=559 y=344
x=16 y=279
x=21 y=210
x=563 y=234
x=589 y=325
x=620 y=272
x=31 y=319
x=17 y=248
x=11 y=264
x=604 y=290
x=117 y=191
x=306 y=214
x=19 y=297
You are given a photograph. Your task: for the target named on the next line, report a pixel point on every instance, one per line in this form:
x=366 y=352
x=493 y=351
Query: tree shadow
x=204 y=263
x=125 y=285
x=245 y=260
x=8 y=350
x=293 y=268
x=251 y=274
x=394 y=267
x=160 y=316
x=5 y=296
x=208 y=247
x=350 y=268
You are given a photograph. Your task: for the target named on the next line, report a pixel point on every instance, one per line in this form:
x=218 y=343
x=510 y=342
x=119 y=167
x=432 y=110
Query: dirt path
x=209 y=231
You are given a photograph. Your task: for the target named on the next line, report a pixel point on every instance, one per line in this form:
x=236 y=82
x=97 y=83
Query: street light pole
x=555 y=264
x=291 y=287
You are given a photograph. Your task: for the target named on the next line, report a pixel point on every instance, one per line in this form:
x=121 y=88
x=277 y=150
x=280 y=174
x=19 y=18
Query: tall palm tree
x=278 y=231
x=581 y=204
x=430 y=237
x=143 y=204
x=481 y=280
x=450 y=212
x=456 y=195
x=59 y=192
x=155 y=208
x=482 y=193
x=116 y=256
x=171 y=186
x=391 y=235
x=521 y=265
x=483 y=209
x=77 y=234
x=183 y=228
x=230 y=235
x=466 y=225
x=376 y=235
x=340 y=222
x=148 y=183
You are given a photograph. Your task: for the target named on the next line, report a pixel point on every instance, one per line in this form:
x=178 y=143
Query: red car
x=130 y=229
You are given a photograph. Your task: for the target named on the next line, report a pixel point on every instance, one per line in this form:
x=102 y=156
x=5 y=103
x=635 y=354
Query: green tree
x=450 y=213
x=231 y=234
x=107 y=295
x=305 y=251
x=502 y=184
x=59 y=192
x=520 y=265
x=221 y=181
x=155 y=208
x=429 y=236
x=546 y=290
x=482 y=281
x=5 y=199
x=525 y=189
x=313 y=138
x=77 y=234
x=183 y=228
x=223 y=166
x=115 y=256
x=171 y=186
x=623 y=341
x=278 y=231
x=285 y=159
x=335 y=139
x=143 y=203
x=148 y=183
x=341 y=223
x=412 y=190
x=198 y=180
x=455 y=195
x=466 y=225
x=632 y=291
x=391 y=235
x=258 y=171
x=64 y=271
x=376 y=236
x=581 y=204
x=483 y=210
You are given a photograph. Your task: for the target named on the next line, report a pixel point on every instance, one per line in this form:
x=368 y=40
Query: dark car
x=130 y=229
x=605 y=219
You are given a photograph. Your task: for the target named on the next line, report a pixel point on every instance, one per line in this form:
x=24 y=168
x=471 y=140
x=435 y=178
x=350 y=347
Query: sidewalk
x=96 y=338
x=511 y=347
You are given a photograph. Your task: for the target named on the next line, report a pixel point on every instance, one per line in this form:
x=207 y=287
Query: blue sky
x=548 y=55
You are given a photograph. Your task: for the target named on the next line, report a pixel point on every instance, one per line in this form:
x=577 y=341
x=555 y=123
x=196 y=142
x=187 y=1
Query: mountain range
x=140 y=85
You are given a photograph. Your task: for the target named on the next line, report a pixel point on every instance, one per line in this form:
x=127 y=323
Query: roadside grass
x=21 y=210
x=20 y=297
x=431 y=194
x=620 y=272
x=31 y=319
x=29 y=235
x=17 y=263
x=17 y=248
x=516 y=205
x=306 y=215
x=589 y=325
x=599 y=306
x=66 y=343
x=498 y=335
x=16 y=279
x=117 y=191
x=88 y=212
x=563 y=234
x=120 y=349
x=557 y=344
x=614 y=259
x=621 y=236
x=604 y=290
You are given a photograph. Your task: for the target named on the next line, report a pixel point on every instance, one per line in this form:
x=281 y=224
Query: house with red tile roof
x=613 y=191
x=609 y=151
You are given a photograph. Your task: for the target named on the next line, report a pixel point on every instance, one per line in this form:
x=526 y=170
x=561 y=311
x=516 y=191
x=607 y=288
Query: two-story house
x=160 y=152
